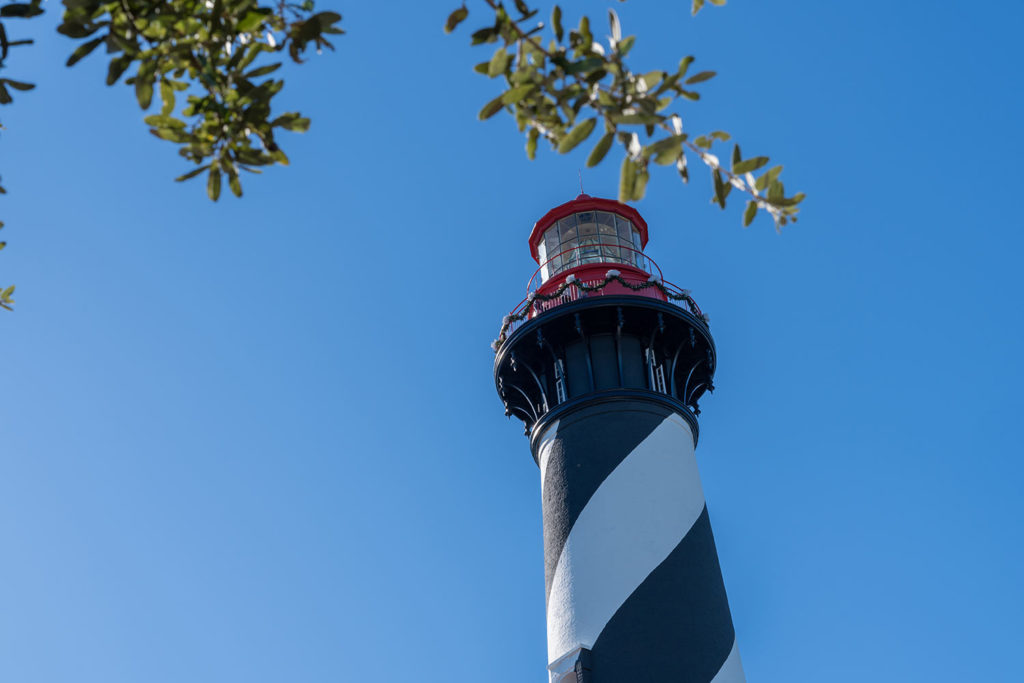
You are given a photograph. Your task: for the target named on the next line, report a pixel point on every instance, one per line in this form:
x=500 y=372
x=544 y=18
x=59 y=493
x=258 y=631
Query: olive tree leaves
x=217 y=55
x=699 y=4
x=560 y=83
x=14 y=10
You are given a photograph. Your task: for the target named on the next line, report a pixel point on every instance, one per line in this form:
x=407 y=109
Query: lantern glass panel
x=567 y=229
x=608 y=236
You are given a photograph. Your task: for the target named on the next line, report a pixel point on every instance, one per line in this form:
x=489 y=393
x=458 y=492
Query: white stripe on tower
x=545 y=453
x=631 y=524
x=732 y=669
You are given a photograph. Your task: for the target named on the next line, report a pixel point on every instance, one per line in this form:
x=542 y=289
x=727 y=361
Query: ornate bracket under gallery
x=603 y=346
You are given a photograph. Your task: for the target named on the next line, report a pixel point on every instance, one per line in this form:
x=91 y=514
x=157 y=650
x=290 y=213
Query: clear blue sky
x=259 y=441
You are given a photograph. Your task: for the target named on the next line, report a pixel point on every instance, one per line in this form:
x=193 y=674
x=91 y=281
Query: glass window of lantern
x=625 y=230
x=589 y=237
x=569 y=242
x=640 y=260
x=553 y=247
x=587 y=222
x=551 y=240
x=589 y=251
x=567 y=229
x=608 y=236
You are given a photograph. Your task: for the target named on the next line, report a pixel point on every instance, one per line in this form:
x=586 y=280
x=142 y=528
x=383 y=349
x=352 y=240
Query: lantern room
x=599 y=316
x=585 y=237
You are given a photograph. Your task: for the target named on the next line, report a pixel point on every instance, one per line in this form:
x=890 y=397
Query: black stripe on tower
x=580 y=458
x=682 y=602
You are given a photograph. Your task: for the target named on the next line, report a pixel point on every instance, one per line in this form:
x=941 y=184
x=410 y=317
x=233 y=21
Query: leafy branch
x=561 y=91
x=210 y=51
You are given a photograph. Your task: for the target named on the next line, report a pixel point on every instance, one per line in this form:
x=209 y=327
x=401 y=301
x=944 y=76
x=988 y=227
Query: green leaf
x=671 y=142
x=73 y=29
x=191 y=174
x=768 y=176
x=588 y=64
x=652 y=79
x=639 y=119
x=600 y=150
x=171 y=134
x=625 y=45
x=720 y=190
x=531 y=143
x=235 y=184
x=699 y=77
x=251 y=21
x=697 y=4
x=491 y=108
x=517 y=94
x=640 y=183
x=18 y=85
x=167 y=96
x=144 y=91
x=82 y=50
x=262 y=71
x=749 y=165
x=484 y=35
x=116 y=68
x=748 y=215
x=213 y=184
x=684 y=64
x=556 y=22
x=20 y=10
x=577 y=135
x=499 y=62
x=291 y=121
x=736 y=157
x=5 y=96
x=666 y=151
x=455 y=18
x=627 y=179
x=584 y=30
x=163 y=121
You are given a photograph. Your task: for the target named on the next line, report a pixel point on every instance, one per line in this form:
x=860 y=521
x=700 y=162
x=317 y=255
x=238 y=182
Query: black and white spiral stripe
x=631 y=568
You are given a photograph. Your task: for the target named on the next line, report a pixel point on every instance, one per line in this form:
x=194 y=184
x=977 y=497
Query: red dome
x=585 y=202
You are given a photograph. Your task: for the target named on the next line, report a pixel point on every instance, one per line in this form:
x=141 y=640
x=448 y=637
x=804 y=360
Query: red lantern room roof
x=585 y=202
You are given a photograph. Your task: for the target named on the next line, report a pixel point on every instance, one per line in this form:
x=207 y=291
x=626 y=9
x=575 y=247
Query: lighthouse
x=604 y=362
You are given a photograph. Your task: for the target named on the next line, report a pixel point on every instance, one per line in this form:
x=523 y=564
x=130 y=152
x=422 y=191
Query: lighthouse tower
x=604 y=362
